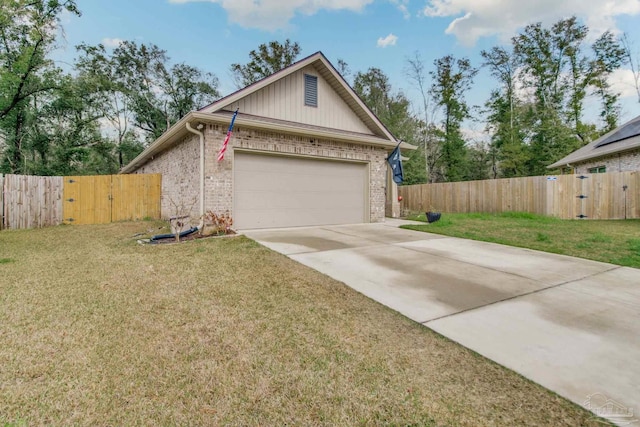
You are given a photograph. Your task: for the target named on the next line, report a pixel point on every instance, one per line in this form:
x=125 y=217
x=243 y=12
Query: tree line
x=536 y=114
x=97 y=117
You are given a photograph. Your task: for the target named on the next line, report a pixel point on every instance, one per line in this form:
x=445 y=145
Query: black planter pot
x=433 y=216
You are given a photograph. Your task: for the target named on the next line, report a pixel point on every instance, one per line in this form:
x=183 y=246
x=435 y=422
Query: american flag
x=227 y=138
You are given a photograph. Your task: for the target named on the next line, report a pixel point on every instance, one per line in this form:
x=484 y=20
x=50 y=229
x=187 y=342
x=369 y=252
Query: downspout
x=201 y=135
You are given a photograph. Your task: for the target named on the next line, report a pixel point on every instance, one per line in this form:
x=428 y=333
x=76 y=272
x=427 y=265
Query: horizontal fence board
x=604 y=194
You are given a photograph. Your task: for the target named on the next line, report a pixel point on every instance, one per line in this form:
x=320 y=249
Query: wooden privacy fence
x=36 y=201
x=31 y=201
x=592 y=196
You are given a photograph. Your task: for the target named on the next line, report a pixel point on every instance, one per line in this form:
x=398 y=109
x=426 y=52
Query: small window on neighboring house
x=310 y=90
x=597 y=169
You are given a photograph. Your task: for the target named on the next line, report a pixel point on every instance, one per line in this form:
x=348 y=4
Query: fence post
x=601 y=196
x=1 y=201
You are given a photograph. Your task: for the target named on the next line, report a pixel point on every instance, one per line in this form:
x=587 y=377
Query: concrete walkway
x=569 y=324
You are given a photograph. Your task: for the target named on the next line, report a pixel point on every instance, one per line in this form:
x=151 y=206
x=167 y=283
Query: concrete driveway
x=569 y=324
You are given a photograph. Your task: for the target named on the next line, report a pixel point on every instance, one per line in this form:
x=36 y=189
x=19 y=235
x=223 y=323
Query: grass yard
x=615 y=242
x=98 y=330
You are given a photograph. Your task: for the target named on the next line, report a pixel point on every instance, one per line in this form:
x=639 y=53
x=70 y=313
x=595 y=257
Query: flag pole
x=395 y=162
x=228 y=137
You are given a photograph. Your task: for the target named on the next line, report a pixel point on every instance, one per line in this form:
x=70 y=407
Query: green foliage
x=452 y=78
x=477 y=162
x=98 y=118
x=393 y=110
x=555 y=70
x=414 y=168
x=508 y=151
x=559 y=71
x=27 y=29
x=27 y=35
x=92 y=121
x=269 y=58
x=137 y=85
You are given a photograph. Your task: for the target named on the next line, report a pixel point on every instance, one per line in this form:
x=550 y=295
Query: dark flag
x=396 y=165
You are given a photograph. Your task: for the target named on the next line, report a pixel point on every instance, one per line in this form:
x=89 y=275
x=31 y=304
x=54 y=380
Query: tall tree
x=27 y=34
x=143 y=88
x=426 y=137
x=269 y=58
x=452 y=78
x=343 y=68
x=393 y=110
x=69 y=130
x=560 y=73
x=633 y=60
x=96 y=67
x=608 y=55
x=507 y=150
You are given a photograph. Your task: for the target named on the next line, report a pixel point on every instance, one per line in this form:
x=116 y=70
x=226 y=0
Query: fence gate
x=106 y=198
x=581 y=203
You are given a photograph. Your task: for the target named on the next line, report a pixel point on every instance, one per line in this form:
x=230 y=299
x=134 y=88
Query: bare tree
x=417 y=74
x=180 y=220
x=633 y=58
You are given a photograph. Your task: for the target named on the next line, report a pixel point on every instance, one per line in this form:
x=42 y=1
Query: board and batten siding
x=284 y=100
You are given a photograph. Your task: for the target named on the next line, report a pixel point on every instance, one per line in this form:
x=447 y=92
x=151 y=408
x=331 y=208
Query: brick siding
x=621 y=162
x=179 y=167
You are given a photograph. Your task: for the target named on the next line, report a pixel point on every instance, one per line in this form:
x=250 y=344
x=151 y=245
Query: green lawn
x=98 y=330
x=616 y=242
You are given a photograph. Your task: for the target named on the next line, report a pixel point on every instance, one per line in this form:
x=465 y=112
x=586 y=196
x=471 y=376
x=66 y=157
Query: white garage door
x=280 y=191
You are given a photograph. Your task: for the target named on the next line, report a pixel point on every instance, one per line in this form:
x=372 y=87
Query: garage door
x=280 y=191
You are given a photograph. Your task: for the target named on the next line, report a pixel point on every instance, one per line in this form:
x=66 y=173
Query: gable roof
x=623 y=138
x=330 y=74
x=216 y=113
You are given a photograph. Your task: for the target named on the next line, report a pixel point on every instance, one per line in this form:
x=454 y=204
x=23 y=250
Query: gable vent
x=310 y=90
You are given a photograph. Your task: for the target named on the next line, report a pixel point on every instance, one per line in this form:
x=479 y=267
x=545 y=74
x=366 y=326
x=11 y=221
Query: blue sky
x=212 y=34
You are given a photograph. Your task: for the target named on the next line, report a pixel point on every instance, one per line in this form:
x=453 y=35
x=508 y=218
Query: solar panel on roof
x=628 y=131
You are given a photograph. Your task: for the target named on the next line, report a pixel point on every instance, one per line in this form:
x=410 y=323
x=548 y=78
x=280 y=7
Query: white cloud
x=276 y=14
x=623 y=81
x=482 y=18
x=403 y=6
x=390 y=40
x=109 y=42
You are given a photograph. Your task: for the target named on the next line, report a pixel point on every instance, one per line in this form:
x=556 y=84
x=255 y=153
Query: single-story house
x=617 y=151
x=305 y=150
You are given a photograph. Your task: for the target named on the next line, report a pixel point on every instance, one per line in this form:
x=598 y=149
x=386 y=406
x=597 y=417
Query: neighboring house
x=617 y=151
x=305 y=151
